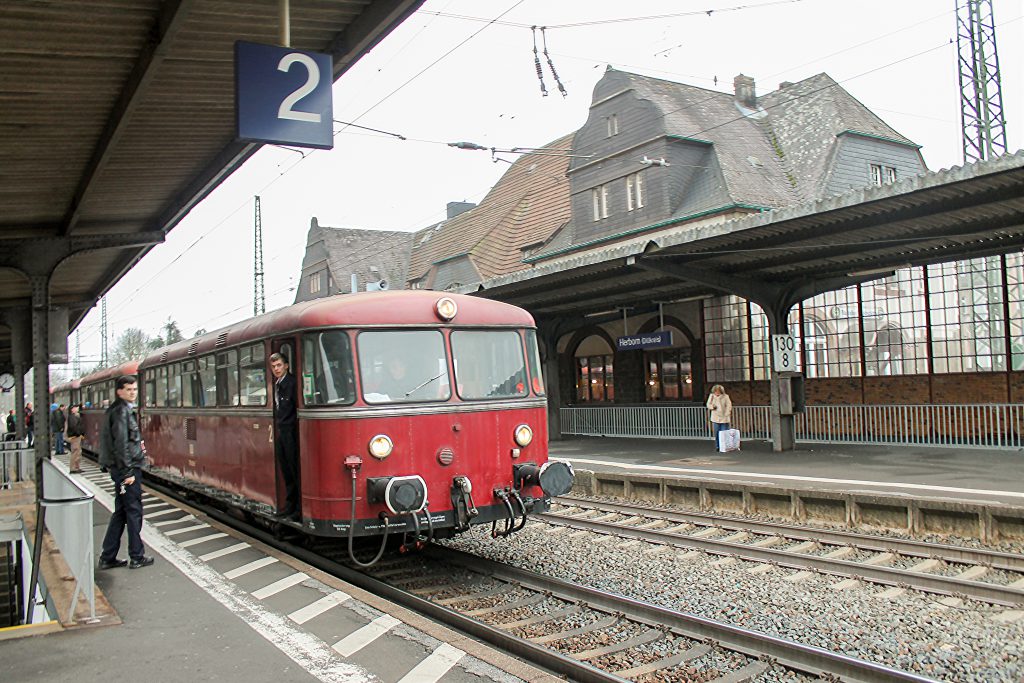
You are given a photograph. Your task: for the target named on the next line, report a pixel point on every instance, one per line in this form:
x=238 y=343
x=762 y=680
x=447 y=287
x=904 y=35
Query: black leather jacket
x=120 y=439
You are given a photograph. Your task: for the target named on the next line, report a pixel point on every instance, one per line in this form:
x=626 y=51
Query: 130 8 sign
x=283 y=95
x=784 y=353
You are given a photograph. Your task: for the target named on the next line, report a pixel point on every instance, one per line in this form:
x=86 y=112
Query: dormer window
x=600 y=199
x=882 y=175
x=316 y=282
x=613 y=124
x=634 y=191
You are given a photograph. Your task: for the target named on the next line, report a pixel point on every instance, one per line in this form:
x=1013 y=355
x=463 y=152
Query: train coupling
x=462 y=502
x=555 y=478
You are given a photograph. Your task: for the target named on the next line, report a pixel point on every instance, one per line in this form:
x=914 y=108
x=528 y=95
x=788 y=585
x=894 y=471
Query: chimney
x=455 y=208
x=745 y=96
x=785 y=84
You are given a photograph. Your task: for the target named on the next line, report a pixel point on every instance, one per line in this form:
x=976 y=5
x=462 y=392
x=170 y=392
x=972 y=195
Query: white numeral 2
x=285 y=111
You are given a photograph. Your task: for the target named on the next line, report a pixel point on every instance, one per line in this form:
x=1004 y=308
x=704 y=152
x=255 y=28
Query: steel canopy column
x=548 y=338
x=41 y=372
x=783 y=426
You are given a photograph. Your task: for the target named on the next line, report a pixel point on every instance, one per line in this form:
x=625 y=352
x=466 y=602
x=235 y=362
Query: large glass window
x=253 y=373
x=403 y=365
x=726 y=335
x=489 y=363
x=832 y=334
x=191 y=389
x=895 y=324
x=968 y=333
x=533 y=356
x=327 y=376
x=669 y=375
x=1015 y=300
x=227 y=378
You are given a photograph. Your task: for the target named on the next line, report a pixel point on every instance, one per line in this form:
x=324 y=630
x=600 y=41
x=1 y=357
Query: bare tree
x=131 y=345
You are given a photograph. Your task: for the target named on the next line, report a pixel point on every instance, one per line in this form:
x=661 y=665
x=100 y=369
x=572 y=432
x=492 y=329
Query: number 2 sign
x=283 y=95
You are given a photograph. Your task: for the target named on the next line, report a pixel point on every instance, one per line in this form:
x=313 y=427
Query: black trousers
x=127 y=514
x=286 y=451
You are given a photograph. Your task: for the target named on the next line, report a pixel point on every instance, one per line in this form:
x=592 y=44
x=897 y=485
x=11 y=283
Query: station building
x=665 y=161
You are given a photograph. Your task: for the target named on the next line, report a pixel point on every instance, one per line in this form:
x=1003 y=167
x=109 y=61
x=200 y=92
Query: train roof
x=364 y=309
x=129 y=368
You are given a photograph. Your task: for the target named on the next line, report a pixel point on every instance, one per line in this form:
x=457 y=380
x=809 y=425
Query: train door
x=287 y=347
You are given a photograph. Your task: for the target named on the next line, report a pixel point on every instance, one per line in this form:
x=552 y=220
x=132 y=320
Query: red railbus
x=419 y=414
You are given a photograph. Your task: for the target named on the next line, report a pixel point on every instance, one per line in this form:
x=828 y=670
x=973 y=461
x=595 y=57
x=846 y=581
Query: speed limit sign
x=784 y=353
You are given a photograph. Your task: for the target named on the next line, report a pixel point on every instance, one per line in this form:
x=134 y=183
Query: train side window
x=533 y=357
x=327 y=374
x=207 y=381
x=227 y=378
x=174 y=385
x=191 y=392
x=160 y=398
x=150 y=384
x=489 y=363
x=253 y=375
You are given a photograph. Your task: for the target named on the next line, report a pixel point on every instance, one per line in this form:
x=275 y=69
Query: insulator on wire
x=551 y=65
x=536 y=63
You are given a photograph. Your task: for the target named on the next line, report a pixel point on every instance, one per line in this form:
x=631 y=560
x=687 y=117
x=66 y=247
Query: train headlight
x=381 y=446
x=446 y=308
x=523 y=435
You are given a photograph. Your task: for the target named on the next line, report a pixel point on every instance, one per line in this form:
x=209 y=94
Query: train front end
x=431 y=428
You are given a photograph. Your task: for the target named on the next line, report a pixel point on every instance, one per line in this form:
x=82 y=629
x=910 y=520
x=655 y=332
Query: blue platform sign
x=283 y=95
x=651 y=340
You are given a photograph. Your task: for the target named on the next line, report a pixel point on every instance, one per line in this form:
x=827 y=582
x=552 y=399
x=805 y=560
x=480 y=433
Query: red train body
x=426 y=409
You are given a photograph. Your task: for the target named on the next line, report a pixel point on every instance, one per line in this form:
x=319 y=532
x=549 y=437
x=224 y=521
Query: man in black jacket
x=121 y=453
x=57 y=424
x=286 y=446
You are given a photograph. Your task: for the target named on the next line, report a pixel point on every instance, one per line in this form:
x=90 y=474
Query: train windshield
x=399 y=366
x=489 y=364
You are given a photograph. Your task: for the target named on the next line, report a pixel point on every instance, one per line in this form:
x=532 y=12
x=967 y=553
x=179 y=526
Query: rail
x=16 y=462
x=67 y=510
x=990 y=425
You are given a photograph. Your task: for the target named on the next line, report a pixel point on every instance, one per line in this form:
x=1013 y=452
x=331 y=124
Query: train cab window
x=173 y=386
x=399 y=366
x=227 y=378
x=207 y=381
x=327 y=374
x=253 y=375
x=489 y=364
x=533 y=357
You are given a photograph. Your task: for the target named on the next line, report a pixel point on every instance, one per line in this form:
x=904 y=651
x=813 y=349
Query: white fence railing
x=970 y=425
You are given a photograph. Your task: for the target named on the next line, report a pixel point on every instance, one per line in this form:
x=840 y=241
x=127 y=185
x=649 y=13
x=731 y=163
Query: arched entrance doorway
x=670 y=374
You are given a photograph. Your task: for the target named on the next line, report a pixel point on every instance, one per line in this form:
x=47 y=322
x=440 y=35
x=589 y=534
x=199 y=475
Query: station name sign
x=283 y=95
x=651 y=340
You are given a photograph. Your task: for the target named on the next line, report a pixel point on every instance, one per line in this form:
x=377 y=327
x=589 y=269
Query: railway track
x=581 y=633
x=984 y=575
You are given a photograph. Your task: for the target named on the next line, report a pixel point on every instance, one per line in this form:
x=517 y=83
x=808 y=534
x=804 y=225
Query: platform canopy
x=796 y=252
x=117 y=117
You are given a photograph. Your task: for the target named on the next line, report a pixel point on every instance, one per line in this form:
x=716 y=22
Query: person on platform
x=286 y=441
x=57 y=424
x=30 y=424
x=12 y=423
x=75 y=432
x=122 y=454
x=720 y=406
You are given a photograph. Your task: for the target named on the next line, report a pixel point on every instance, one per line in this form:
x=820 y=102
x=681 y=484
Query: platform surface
x=969 y=474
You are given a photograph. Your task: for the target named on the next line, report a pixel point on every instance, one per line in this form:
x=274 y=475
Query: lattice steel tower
x=104 y=358
x=259 y=304
x=981 y=98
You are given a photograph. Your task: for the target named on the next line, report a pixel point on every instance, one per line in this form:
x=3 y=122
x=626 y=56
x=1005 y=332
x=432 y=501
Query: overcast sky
x=443 y=76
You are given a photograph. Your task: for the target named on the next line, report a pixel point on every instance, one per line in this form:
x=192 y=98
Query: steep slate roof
x=351 y=250
x=700 y=114
x=525 y=206
x=806 y=118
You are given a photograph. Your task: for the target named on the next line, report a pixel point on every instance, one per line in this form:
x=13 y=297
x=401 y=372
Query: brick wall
x=629 y=377
x=975 y=387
